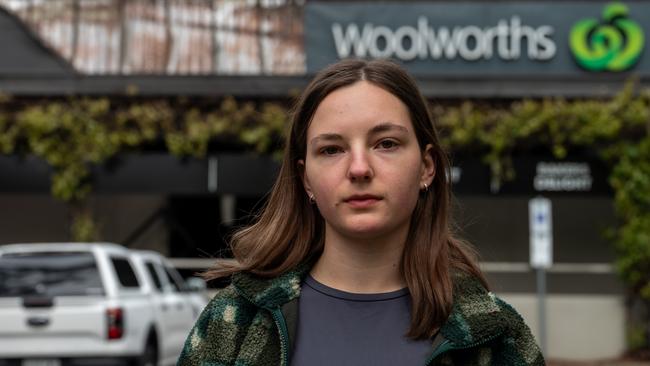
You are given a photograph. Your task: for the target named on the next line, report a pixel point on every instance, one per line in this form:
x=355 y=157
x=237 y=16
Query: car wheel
x=150 y=355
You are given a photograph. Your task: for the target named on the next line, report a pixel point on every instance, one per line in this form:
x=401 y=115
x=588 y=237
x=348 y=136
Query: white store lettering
x=470 y=43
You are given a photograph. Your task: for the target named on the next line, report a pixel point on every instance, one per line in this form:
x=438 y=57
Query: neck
x=356 y=265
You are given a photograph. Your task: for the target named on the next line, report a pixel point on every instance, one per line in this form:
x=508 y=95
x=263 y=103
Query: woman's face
x=363 y=163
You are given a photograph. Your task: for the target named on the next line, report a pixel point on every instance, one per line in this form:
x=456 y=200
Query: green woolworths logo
x=613 y=44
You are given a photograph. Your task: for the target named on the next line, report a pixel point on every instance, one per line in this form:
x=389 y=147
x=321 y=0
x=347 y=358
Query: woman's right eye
x=330 y=150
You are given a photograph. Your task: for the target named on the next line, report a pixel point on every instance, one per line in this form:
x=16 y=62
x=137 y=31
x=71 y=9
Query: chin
x=365 y=231
x=363 y=226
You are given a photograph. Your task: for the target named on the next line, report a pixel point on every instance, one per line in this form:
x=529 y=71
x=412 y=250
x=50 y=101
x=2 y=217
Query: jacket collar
x=270 y=293
x=476 y=315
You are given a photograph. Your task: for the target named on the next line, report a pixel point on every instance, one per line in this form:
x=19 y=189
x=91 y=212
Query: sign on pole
x=541 y=232
x=541 y=254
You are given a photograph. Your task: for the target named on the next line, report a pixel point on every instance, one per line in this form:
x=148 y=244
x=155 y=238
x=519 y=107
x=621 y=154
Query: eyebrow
x=388 y=126
x=382 y=127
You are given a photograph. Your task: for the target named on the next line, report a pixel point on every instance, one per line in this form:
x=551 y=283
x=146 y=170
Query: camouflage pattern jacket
x=252 y=322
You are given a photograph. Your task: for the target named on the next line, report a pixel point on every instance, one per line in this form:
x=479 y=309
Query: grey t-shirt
x=342 y=328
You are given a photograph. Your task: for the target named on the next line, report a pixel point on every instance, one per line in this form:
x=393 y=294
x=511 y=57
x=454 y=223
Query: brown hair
x=289 y=230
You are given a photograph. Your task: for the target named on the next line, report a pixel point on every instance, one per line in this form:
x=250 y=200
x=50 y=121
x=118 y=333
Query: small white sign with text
x=541 y=232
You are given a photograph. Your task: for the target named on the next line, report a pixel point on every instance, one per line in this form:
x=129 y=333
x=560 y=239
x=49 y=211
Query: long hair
x=289 y=230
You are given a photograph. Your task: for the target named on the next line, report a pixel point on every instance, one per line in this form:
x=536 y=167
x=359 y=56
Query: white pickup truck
x=91 y=304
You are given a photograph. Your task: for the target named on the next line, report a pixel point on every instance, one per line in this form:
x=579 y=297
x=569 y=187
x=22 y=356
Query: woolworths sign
x=424 y=41
x=481 y=38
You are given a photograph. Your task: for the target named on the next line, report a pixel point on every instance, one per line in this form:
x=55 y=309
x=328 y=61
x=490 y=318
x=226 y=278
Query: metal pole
x=541 y=297
x=213 y=177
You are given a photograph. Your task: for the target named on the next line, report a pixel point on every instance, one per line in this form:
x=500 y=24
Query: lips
x=362 y=200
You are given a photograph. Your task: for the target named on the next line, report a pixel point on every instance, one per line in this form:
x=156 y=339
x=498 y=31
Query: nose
x=360 y=168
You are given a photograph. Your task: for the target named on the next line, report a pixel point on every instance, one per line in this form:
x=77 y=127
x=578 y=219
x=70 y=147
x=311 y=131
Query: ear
x=428 y=167
x=303 y=176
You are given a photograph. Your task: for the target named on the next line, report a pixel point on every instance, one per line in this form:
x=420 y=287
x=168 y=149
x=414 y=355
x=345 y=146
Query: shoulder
x=518 y=341
x=218 y=332
x=481 y=317
x=472 y=299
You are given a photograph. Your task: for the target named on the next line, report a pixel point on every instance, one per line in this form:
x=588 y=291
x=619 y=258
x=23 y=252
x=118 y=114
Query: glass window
x=154 y=275
x=125 y=273
x=49 y=274
x=174 y=280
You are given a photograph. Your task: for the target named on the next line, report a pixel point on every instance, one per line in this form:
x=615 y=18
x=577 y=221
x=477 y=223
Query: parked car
x=91 y=303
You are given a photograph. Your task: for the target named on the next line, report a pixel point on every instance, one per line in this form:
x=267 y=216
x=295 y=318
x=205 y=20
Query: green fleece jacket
x=252 y=322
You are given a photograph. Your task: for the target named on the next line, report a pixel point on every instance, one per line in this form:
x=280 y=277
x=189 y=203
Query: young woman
x=352 y=261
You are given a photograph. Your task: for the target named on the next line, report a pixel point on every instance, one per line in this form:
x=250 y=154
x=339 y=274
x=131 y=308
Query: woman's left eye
x=387 y=144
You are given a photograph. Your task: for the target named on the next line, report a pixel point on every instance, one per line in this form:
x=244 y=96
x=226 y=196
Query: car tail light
x=115 y=320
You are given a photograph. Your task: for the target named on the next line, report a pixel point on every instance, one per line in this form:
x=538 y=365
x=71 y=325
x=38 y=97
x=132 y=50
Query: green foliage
x=554 y=124
x=636 y=336
x=83 y=227
x=630 y=179
x=74 y=134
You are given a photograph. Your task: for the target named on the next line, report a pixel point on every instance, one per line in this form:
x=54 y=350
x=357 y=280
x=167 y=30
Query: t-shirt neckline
x=332 y=292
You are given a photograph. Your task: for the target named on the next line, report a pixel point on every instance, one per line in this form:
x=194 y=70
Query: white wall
x=579 y=327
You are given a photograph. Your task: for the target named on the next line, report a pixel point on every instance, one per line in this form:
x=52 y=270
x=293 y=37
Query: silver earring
x=426 y=188
x=312 y=199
